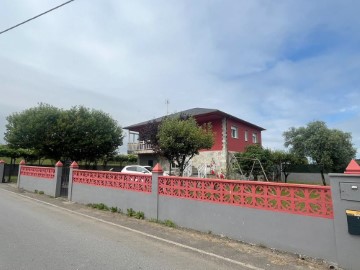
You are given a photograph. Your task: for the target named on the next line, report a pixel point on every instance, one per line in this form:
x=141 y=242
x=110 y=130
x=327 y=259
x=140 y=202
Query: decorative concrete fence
x=36 y=178
x=296 y=218
x=304 y=219
x=114 y=189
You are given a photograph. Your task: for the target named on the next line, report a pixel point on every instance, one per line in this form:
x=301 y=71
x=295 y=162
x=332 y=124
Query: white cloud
x=277 y=65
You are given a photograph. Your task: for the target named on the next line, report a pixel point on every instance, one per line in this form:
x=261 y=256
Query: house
x=232 y=135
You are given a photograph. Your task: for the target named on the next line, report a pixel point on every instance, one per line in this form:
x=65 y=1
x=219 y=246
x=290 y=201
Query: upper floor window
x=234 y=132
x=255 y=138
x=246 y=136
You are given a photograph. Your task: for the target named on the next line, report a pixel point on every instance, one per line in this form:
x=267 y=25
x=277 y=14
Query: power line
x=37 y=16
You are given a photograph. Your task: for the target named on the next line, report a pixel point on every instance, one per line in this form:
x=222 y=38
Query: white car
x=135 y=169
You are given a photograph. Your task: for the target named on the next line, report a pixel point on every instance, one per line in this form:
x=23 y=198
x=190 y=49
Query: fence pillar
x=156 y=172
x=73 y=167
x=19 y=173
x=2 y=171
x=58 y=176
x=345 y=189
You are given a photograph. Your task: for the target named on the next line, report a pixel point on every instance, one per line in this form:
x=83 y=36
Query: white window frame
x=234 y=132
x=255 y=138
x=246 y=135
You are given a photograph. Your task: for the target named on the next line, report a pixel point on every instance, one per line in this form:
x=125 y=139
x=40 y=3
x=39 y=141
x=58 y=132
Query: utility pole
x=167 y=102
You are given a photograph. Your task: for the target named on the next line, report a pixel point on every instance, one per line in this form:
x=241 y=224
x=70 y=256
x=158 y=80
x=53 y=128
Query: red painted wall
x=234 y=144
x=239 y=144
x=217 y=129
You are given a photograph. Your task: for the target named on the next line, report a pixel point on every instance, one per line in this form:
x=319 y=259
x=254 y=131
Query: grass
x=166 y=222
x=113 y=209
x=130 y=212
x=99 y=206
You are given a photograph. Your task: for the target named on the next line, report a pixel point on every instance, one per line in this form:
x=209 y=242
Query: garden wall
x=113 y=189
x=42 y=179
x=296 y=218
x=305 y=219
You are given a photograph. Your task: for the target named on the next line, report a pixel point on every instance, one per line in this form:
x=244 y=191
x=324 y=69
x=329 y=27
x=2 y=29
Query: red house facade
x=231 y=133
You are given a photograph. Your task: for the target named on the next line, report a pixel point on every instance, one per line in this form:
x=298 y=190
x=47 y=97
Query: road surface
x=38 y=236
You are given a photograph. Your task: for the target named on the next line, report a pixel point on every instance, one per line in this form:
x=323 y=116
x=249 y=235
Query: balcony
x=140 y=148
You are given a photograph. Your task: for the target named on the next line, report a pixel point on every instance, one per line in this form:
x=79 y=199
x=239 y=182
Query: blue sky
x=277 y=64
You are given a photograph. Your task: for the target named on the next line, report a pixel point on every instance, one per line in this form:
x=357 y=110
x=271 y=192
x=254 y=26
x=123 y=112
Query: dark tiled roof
x=192 y=112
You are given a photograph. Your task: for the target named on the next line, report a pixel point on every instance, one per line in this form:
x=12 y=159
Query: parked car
x=149 y=168
x=135 y=169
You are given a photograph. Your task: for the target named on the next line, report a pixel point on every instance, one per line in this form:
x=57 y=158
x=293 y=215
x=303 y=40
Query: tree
x=331 y=149
x=180 y=139
x=88 y=135
x=283 y=162
x=75 y=134
x=32 y=129
x=149 y=134
x=13 y=154
x=255 y=161
x=125 y=159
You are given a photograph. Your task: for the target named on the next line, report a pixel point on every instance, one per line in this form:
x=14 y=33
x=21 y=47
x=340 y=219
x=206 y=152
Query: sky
x=276 y=64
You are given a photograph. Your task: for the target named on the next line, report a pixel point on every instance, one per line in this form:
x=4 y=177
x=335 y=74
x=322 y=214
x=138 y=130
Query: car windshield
x=148 y=168
x=143 y=170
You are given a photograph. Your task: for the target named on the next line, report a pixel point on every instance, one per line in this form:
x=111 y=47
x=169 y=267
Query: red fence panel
x=290 y=198
x=41 y=172
x=133 y=182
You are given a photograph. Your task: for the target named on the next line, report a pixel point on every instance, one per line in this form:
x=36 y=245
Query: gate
x=65 y=180
x=10 y=173
x=2 y=177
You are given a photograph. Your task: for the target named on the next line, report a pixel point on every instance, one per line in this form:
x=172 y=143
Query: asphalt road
x=38 y=236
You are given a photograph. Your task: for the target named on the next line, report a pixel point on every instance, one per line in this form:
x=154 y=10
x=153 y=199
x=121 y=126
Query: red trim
x=157 y=168
x=289 y=198
x=41 y=172
x=59 y=164
x=116 y=180
x=352 y=168
x=74 y=165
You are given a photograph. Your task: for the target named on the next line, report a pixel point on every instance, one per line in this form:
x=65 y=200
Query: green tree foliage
x=125 y=159
x=332 y=149
x=180 y=139
x=283 y=162
x=33 y=129
x=149 y=132
x=256 y=161
x=88 y=135
x=13 y=154
x=76 y=134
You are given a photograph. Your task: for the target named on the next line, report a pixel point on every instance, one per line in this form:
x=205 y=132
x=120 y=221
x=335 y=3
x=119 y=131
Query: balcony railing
x=140 y=148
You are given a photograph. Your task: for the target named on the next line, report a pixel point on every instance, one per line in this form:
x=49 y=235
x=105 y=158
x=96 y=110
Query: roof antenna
x=167 y=102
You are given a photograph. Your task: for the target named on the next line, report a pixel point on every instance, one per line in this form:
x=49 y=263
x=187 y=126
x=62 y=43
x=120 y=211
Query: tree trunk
x=286 y=176
x=323 y=178
x=181 y=167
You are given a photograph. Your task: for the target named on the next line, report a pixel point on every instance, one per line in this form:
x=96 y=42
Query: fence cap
x=157 y=168
x=22 y=162
x=74 y=165
x=1 y=161
x=352 y=168
x=58 y=164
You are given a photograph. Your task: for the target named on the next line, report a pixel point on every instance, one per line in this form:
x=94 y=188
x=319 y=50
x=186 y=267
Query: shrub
x=139 y=215
x=130 y=212
x=113 y=209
